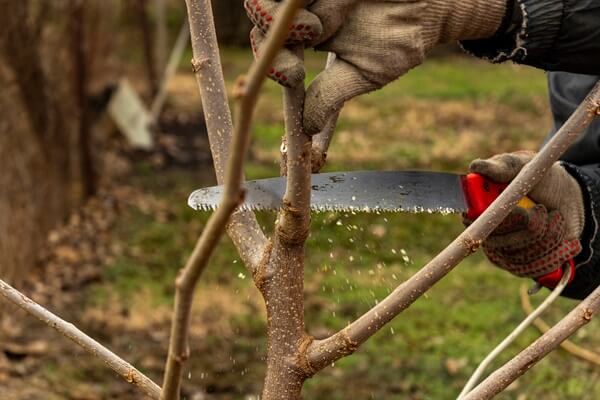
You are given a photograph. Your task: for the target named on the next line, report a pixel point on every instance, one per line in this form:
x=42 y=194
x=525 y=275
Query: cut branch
x=114 y=362
x=200 y=12
x=323 y=352
x=294 y=220
x=509 y=372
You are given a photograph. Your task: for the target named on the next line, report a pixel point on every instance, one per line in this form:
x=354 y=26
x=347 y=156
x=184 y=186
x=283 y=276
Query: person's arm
x=554 y=35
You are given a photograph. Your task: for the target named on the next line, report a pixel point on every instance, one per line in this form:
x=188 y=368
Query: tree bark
x=283 y=279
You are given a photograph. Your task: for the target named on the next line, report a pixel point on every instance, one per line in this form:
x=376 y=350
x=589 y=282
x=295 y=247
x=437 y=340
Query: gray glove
x=375 y=42
x=535 y=242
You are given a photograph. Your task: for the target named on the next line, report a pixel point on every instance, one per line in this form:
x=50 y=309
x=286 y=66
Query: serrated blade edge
x=356 y=191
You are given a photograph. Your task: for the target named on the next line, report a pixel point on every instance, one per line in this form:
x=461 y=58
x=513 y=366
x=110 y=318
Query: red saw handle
x=480 y=192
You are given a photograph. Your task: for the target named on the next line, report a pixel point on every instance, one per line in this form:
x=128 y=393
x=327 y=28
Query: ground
x=440 y=116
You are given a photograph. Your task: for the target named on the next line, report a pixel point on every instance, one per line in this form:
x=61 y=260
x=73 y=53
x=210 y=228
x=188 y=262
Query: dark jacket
x=555 y=35
x=582 y=160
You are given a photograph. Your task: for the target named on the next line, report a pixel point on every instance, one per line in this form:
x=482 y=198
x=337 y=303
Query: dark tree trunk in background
x=20 y=45
x=233 y=26
x=146 y=27
x=47 y=121
x=35 y=145
x=79 y=56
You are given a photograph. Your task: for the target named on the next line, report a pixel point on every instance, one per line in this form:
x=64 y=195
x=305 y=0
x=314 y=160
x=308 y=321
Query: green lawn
x=439 y=116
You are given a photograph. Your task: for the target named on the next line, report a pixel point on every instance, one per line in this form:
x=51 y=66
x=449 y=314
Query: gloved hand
x=375 y=42
x=534 y=242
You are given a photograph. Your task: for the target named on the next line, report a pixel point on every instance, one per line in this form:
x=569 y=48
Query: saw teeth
x=330 y=208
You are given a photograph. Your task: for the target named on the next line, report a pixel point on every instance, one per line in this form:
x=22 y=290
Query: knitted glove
x=375 y=42
x=534 y=242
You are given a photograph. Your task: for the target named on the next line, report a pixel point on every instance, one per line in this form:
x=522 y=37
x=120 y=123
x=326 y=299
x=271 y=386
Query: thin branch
x=515 y=334
x=509 y=372
x=567 y=345
x=180 y=45
x=243 y=228
x=323 y=352
x=187 y=280
x=114 y=362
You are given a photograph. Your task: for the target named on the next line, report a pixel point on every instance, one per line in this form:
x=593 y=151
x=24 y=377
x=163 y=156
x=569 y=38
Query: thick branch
x=283 y=286
x=243 y=227
x=114 y=362
x=509 y=372
x=232 y=196
x=294 y=220
x=324 y=352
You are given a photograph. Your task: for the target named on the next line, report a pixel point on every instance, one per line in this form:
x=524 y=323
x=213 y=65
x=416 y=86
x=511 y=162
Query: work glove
x=537 y=241
x=374 y=41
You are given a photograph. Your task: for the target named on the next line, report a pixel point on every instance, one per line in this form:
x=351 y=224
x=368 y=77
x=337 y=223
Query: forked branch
x=243 y=227
x=200 y=15
x=323 y=352
x=67 y=329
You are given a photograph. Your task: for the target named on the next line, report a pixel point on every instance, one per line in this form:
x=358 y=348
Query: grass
x=439 y=116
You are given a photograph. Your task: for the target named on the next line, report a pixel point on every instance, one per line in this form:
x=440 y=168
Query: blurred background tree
x=58 y=63
x=54 y=64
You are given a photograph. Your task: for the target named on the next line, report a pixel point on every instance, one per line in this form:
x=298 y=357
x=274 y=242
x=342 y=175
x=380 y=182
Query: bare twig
x=515 y=333
x=114 y=362
x=171 y=68
x=243 y=227
x=509 y=372
x=567 y=345
x=323 y=352
x=198 y=11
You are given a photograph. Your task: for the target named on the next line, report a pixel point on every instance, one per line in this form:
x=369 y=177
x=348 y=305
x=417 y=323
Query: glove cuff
x=464 y=20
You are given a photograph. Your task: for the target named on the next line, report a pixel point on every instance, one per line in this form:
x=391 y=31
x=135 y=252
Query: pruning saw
x=378 y=191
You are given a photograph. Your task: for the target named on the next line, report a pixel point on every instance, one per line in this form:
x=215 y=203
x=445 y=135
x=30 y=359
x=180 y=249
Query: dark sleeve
x=582 y=160
x=587 y=263
x=567 y=91
x=555 y=35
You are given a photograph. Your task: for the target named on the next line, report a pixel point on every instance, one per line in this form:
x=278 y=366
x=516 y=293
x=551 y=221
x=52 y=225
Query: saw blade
x=356 y=191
